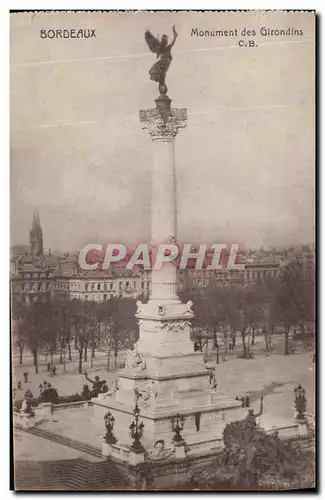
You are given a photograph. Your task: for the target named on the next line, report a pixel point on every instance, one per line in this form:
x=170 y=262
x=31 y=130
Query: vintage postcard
x=163 y=250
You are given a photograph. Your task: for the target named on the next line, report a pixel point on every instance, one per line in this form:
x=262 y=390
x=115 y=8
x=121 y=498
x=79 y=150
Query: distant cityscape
x=39 y=275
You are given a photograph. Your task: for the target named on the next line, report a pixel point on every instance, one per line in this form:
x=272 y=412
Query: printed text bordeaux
x=73 y=33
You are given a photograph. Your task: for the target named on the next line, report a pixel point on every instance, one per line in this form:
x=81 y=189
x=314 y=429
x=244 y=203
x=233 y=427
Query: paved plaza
x=67 y=381
x=273 y=376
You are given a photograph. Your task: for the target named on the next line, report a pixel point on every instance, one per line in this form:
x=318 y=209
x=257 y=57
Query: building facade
x=31 y=283
x=251 y=274
x=37 y=276
x=97 y=286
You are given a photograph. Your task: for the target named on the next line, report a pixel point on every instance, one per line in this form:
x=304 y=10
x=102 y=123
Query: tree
x=250 y=453
x=51 y=327
x=215 y=309
x=64 y=326
x=105 y=314
x=17 y=331
x=253 y=459
x=226 y=304
x=265 y=292
x=34 y=326
x=251 y=314
x=294 y=304
x=124 y=326
x=204 y=310
x=80 y=317
x=93 y=328
x=119 y=327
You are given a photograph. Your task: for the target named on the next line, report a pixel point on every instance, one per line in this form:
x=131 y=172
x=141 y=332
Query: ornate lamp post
x=300 y=402
x=178 y=426
x=27 y=404
x=136 y=430
x=109 y=424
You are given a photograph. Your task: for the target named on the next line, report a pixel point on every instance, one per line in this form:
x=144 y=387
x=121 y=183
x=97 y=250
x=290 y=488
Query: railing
x=210 y=444
x=68 y=406
x=217 y=443
x=281 y=428
x=22 y=420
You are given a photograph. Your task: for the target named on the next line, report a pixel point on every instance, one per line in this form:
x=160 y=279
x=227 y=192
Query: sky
x=244 y=165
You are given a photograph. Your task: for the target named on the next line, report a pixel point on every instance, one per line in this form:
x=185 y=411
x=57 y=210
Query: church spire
x=34 y=223
x=36 y=236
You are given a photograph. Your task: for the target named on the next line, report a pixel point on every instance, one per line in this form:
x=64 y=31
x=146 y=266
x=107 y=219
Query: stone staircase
x=62 y=475
x=65 y=441
x=67 y=475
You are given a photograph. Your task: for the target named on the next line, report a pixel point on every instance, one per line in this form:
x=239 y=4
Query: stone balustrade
x=69 y=406
x=209 y=445
x=22 y=420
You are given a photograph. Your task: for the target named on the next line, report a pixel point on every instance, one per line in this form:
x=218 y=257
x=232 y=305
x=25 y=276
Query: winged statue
x=162 y=48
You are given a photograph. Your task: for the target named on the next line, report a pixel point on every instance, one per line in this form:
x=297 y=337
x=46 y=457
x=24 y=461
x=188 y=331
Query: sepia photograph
x=162 y=250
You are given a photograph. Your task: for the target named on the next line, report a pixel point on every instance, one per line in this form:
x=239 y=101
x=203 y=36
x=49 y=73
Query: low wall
x=174 y=472
x=69 y=406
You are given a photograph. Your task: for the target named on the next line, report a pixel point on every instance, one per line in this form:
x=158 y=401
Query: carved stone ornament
x=175 y=326
x=135 y=361
x=160 y=127
x=213 y=383
x=139 y=306
x=189 y=305
x=147 y=394
x=112 y=390
x=161 y=310
x=161 y=451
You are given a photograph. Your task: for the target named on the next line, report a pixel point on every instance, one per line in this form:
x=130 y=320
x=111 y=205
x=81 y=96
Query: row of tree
x=58 y=326
x=287 y=300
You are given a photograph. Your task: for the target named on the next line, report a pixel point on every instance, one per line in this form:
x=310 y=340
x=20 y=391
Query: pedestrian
x=18 y=385
x=26 y=377
x=242 y=400
x=54 y=369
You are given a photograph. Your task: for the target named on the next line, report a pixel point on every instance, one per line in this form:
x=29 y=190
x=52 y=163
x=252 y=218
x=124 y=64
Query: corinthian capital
x=162 y=125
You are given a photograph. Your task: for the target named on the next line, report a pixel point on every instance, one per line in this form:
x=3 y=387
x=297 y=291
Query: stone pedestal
x=180 y=451
x=164 y=375
x=47 y=408
x=302 y=426
x=106 y=449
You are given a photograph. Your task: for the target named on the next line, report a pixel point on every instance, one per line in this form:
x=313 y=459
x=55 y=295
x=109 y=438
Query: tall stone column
x=164 y=321
x=163 y=373
x=163 y=124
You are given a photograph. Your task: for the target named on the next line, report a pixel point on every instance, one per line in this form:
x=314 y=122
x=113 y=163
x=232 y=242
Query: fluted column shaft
x=163 y=124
